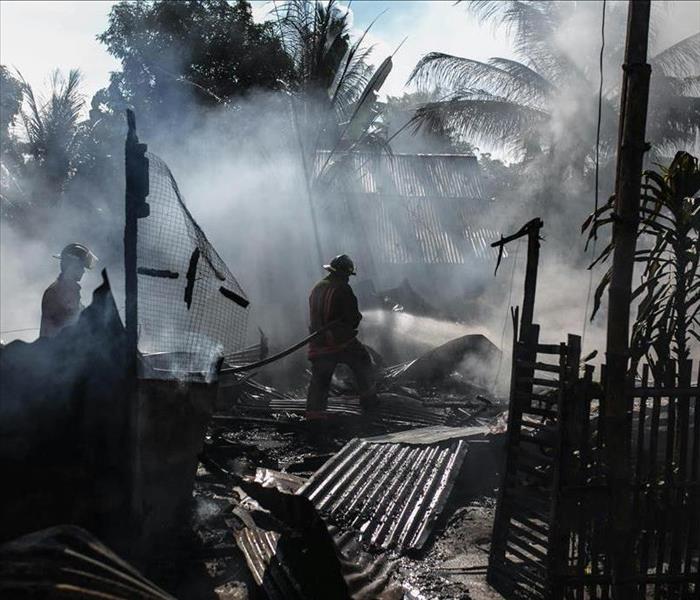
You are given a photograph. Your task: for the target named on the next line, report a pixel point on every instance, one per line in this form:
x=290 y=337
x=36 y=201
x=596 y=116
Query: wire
x=17 y=330
x=597 y=173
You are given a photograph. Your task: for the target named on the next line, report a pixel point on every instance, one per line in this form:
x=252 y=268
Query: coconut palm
x=335 y=87
x=518 y=103
x=53 y=132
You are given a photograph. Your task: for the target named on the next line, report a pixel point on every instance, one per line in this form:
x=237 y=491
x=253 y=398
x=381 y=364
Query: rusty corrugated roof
x=391 y=492
x=413 y=208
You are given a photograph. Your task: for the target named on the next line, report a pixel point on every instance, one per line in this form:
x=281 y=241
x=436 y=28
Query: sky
x=37 y=37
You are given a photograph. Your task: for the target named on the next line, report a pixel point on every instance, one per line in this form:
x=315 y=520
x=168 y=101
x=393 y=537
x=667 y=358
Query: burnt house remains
x=421 y=217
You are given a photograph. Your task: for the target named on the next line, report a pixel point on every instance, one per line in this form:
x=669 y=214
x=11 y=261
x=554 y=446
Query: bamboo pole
x=630 y=155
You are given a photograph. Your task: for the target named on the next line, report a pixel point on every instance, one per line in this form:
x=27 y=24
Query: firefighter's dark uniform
x=60 y=306
x=332 y=299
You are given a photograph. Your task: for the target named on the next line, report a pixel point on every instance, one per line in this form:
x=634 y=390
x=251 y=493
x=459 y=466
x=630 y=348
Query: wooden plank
x=552 y=383
x=535 y=457
x=540 y=528
x=664 y=533
x=540 y=412
x=528 y=439
x=558 y=547
x=680 y=455
x=693 y=538
x=584 y=445
x=642 y=505
x=548 y=348
x=520 y=553
x=661 y=392
x=526 y=533
x=528 y=397
x=539 y=366
x=525 y=510
x=521 y=544
x=530 y=470
x=531 y=499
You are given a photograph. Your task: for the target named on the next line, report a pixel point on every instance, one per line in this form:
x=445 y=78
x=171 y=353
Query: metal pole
x=630 y=156
x=135 y=207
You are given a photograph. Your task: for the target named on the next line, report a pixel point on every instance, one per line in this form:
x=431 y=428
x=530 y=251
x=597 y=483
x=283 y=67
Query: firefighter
x=332 y=299
x=60 y=305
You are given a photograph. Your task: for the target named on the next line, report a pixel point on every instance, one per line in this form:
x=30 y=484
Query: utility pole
x=630 y=156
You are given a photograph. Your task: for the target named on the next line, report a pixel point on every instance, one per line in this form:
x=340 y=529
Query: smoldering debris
x=376 y=490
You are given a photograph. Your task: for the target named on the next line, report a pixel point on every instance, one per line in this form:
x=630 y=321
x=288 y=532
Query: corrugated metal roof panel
x=395 y=409
x=419 y=175
x=391 y=493
x=413 y=208
x=270 y=572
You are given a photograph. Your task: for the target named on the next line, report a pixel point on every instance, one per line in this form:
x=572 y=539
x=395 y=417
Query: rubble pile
x=365 y=508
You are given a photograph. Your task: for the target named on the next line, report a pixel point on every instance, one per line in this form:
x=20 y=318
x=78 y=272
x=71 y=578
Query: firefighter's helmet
x=79 y=252
x=341 y=264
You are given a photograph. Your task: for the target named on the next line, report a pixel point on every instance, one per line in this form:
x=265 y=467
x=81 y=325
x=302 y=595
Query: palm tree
x=518 y=104
x=53 y=133
x=334 y=86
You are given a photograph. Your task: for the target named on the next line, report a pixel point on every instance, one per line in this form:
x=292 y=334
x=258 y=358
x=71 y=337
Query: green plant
x=668 y=314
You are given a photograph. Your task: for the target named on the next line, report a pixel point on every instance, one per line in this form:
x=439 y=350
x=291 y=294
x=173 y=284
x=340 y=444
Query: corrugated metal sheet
x=391 y=493
x=417 y=175
x=395 y=409
x=413 y=208
x=268 y=568
x=367 y=577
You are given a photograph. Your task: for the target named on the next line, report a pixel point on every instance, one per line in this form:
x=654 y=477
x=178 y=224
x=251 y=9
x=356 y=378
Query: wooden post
x=136 y=171
x=631 y=148
x=532 y=230
x=533 y=261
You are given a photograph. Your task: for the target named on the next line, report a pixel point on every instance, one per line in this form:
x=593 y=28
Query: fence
x=551 y=534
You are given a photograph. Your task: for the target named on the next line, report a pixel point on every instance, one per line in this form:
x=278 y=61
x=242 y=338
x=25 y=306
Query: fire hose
x=283 y=353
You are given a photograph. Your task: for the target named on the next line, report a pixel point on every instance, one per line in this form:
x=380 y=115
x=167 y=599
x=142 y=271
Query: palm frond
x=508 y=79
x=673 y=122
x=482 y=118
x=680 y=60
x=532 y=25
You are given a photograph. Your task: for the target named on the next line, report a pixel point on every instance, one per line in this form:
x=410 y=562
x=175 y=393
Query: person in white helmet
x=60 y=304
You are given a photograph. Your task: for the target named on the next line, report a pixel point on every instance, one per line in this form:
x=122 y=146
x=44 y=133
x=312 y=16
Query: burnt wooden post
x=136 y=171
x=532 y=230
x=631 y=148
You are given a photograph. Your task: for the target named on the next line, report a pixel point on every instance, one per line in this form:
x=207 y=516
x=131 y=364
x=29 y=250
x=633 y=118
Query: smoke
x=241 y=174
